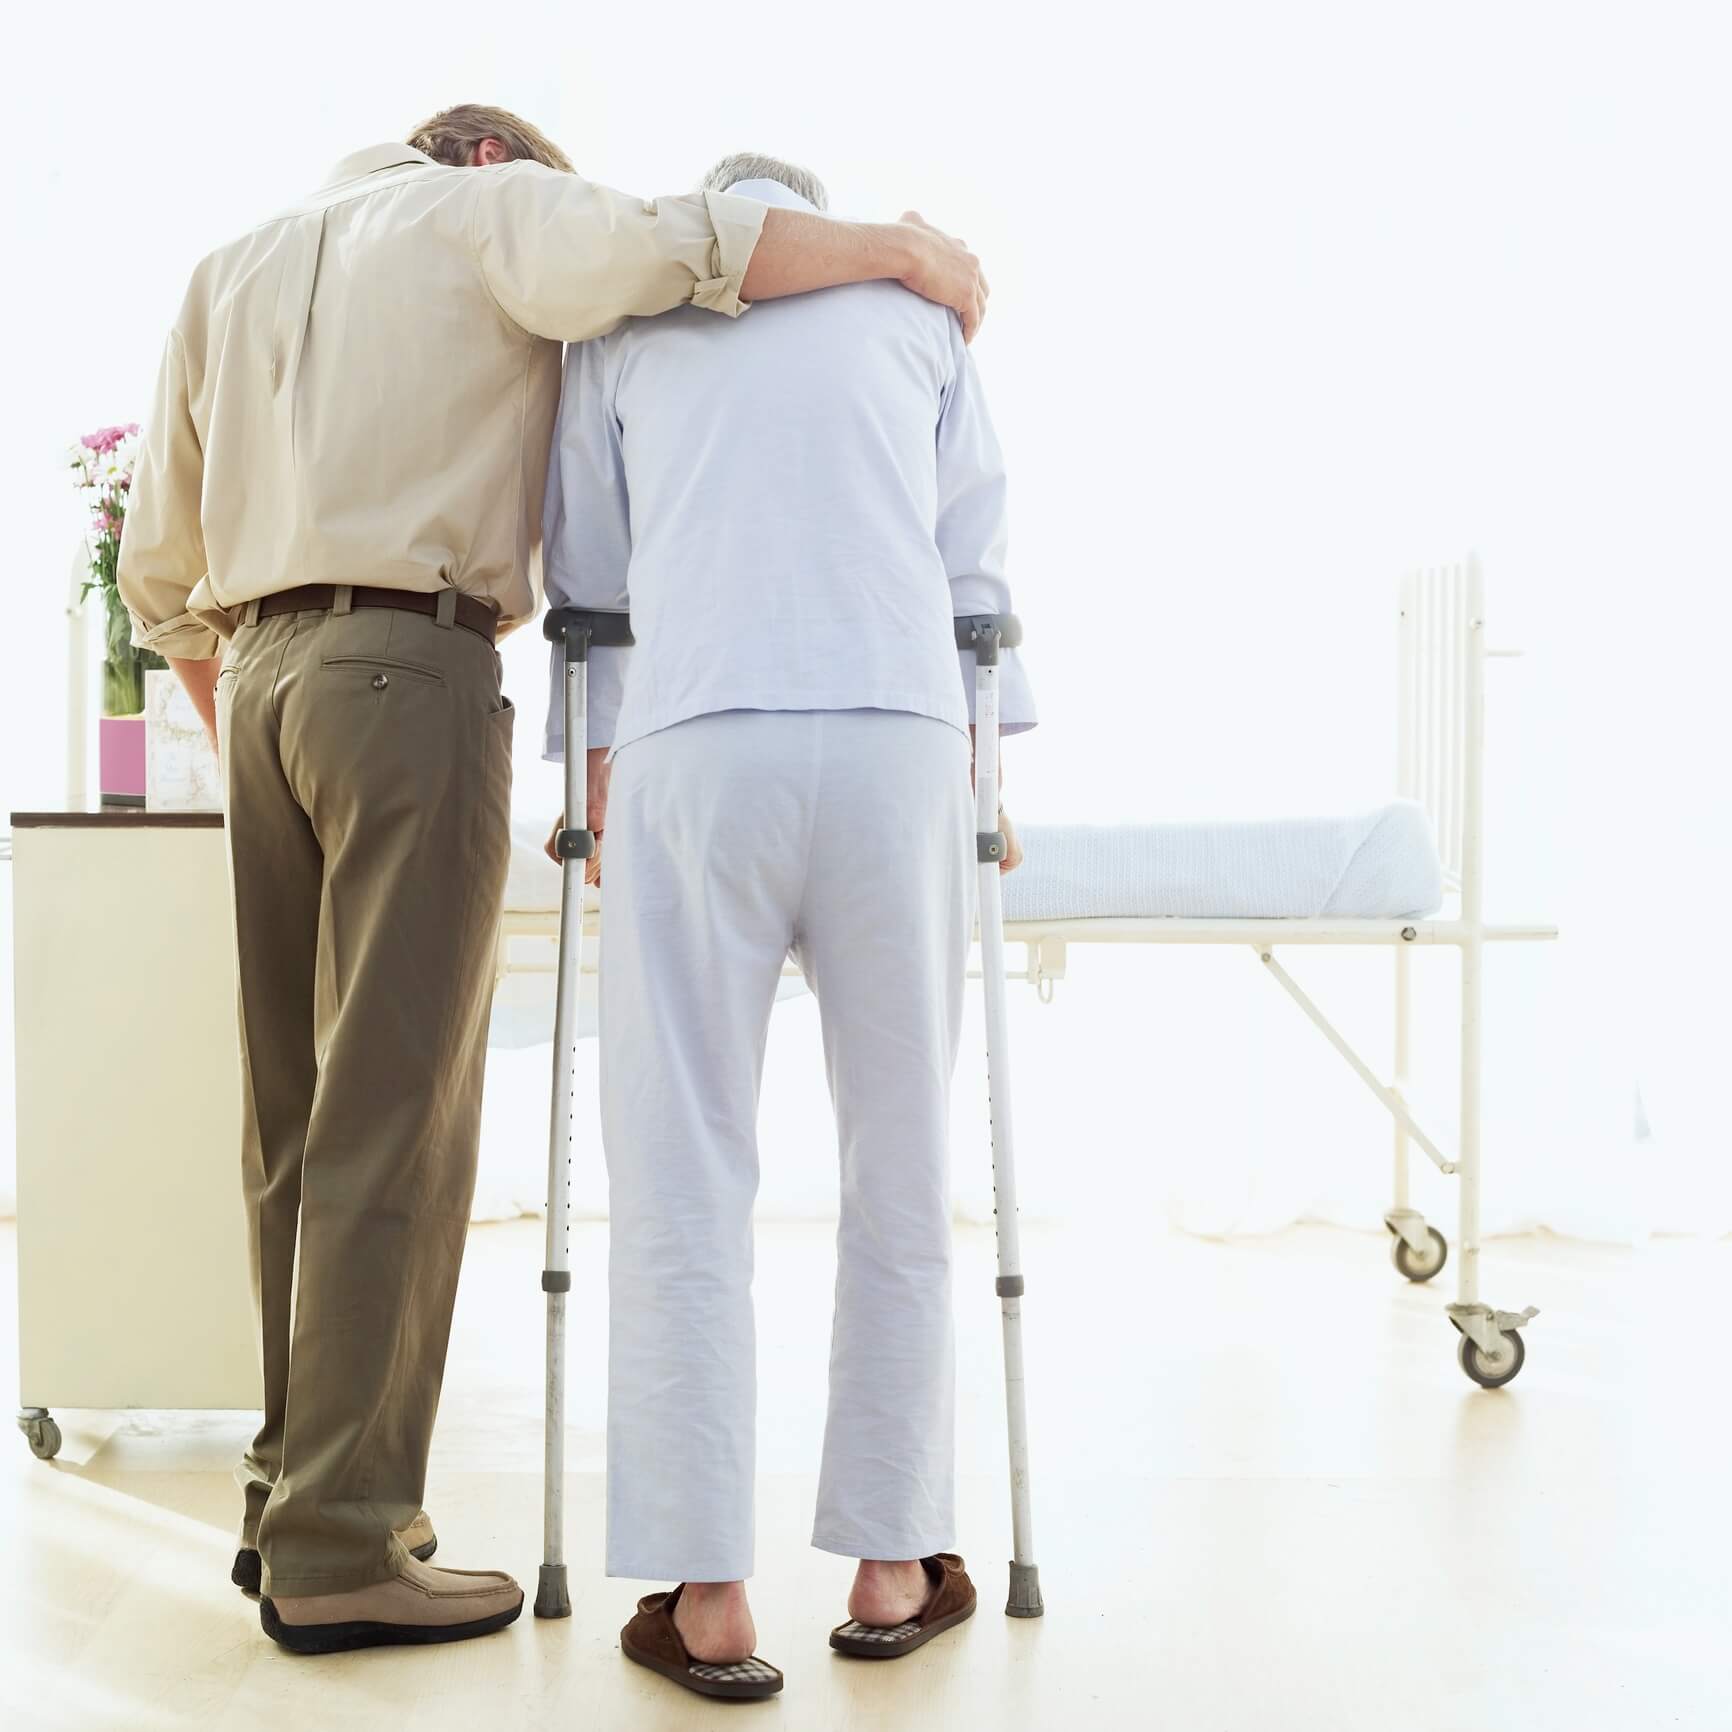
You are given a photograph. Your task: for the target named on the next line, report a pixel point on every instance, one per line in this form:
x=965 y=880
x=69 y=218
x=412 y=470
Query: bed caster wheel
x=1420 y=1266
x=42 y=1434
x=1493 y=1370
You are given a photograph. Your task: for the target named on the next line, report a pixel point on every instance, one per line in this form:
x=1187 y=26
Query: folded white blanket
x=1382 y=863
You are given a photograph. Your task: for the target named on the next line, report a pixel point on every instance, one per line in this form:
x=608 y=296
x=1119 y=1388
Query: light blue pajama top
x=792 y=506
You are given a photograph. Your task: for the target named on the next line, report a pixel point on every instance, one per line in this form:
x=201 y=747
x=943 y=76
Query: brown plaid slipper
x=951 y=1601
x=651 y=1640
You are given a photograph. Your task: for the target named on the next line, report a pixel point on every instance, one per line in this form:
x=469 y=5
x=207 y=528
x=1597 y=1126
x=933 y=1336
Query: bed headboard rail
x=1441 y=707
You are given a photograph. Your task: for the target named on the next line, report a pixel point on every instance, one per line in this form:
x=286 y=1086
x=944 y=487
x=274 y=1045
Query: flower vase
x=121 y=744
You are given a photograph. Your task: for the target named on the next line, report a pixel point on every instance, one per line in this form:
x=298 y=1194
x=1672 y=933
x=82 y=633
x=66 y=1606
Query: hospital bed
x=1407 y=874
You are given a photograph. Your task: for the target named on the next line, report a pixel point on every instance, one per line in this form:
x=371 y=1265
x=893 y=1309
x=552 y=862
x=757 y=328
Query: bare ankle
x=887 y=1591
x=715 y=1621
x=885 y=1572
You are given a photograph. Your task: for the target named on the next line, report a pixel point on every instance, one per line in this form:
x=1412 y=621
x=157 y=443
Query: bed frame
x=1441 y=759
x=1441 y=746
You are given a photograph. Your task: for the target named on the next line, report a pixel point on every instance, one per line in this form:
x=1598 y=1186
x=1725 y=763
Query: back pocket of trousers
x=384 y=669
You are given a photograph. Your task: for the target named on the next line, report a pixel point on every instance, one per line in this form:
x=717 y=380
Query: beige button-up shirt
x=363 y=389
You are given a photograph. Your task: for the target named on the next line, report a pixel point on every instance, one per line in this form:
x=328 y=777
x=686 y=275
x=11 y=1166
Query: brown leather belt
x=472 y=615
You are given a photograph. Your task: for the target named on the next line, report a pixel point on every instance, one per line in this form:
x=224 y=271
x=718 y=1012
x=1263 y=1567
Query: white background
x=1285 y=300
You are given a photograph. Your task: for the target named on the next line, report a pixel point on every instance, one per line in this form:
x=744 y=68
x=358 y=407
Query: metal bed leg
x=1403 y=1005
x=1491 y=1350
x=1418 y=1250
x=1468 y=1157
x=986 y=636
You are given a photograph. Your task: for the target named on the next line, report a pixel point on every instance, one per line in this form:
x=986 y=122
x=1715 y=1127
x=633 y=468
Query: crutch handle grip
x=987 y=633
x=582 y=629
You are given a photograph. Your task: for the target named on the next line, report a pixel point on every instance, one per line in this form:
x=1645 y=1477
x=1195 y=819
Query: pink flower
x=106 y=439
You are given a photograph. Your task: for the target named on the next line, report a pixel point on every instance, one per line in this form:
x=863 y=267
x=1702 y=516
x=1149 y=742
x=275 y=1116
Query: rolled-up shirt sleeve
x=162 y=553
x=586 y=536
x=972 y=528
x=568 y=259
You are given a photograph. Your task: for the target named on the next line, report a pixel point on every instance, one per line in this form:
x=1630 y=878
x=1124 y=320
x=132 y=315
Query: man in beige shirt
x=342 y=476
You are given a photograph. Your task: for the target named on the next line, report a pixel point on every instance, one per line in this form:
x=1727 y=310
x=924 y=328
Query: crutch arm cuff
x=987 y=633
x=582 y=629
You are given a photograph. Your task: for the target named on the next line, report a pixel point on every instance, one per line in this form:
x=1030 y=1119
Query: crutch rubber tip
x=1025 y=1600
x=552 y=1597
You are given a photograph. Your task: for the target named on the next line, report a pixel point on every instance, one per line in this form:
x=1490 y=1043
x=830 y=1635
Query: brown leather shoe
x=950 y=1601
x=652 y=1640
x=418 y=1537
x=421 y=1605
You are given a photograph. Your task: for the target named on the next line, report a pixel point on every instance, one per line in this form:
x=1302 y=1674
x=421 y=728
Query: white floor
x=1266 y=1499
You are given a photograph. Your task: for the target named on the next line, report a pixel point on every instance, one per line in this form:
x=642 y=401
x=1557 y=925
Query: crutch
x=578 y=630
x=986 y=635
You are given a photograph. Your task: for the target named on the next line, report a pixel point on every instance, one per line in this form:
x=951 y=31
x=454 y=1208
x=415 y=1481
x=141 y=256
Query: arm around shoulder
x=568 y=259
x=801 y=250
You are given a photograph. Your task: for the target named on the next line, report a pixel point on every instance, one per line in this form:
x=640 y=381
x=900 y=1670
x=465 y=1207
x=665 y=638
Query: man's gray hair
x=750 y=165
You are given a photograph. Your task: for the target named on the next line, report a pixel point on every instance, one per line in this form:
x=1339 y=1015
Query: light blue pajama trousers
x=846 y=837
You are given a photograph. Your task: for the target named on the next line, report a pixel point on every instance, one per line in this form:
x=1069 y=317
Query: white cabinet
x=132 y=1267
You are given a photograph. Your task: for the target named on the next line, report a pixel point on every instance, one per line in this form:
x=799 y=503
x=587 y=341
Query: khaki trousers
x=367 y=772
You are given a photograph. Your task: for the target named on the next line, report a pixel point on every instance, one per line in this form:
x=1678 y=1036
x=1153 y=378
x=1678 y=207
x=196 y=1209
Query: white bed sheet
x=1376 y=865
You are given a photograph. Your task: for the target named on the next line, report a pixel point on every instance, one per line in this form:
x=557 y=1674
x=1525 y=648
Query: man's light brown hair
x=453 y=133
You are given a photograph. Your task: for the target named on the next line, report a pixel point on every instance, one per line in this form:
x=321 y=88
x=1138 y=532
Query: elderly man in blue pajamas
x=792 y=511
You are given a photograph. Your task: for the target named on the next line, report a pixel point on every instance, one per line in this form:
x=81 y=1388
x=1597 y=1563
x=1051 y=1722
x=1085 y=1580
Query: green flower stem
x=123 y=667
